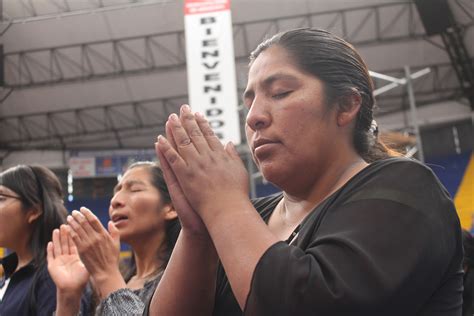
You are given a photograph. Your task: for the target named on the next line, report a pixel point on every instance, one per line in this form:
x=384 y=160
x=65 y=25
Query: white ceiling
x=56 y=104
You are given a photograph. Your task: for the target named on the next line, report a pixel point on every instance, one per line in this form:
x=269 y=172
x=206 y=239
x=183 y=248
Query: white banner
x=82 y=167
x=211 y=66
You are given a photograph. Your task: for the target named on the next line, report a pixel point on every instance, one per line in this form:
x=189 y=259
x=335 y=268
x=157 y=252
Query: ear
x=348 y=109
x=170 y=212
x=32 y=215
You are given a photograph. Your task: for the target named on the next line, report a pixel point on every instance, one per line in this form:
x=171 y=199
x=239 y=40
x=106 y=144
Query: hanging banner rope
x=211 y=65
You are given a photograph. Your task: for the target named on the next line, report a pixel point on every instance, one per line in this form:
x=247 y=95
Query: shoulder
x=405 y=169
x=9 y=264
x=398 y=179
x=45 y=290
x=397 y=189
x=406 y=166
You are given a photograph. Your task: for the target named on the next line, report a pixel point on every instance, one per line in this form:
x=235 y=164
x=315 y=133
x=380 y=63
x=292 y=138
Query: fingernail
x=161 y=139
x=185 y=108
x=174 y=117
x=77 y=213
x=200 y=115
x=69 y=218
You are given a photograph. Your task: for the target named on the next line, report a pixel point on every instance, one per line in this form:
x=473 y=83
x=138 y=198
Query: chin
x=276 y=176
x=274 y=179
x=123 y=236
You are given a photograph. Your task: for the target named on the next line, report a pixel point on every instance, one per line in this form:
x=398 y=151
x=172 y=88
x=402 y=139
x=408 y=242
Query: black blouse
x=387 y=243
x=16 y=300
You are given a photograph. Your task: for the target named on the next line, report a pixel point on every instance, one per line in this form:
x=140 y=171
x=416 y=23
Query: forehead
x=274 y=59
x=4 y=189
x=136 y=175
x=272 y=63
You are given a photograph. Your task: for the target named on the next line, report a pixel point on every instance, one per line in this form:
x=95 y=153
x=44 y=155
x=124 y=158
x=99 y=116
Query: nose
x=116 y=201
x=258 y=116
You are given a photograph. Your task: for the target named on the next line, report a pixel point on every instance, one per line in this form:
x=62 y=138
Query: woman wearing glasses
x=31 y=207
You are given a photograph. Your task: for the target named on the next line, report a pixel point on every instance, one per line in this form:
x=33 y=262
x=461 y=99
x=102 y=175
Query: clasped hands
x=202 y=175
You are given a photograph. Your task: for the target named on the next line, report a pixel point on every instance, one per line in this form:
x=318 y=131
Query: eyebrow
x=269 y=81
x=5 y=191
x=128 y=183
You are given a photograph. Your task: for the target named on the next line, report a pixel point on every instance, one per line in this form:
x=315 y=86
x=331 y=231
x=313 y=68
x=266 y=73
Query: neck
x=24 y=256
x=146 y=255
x=334 y=177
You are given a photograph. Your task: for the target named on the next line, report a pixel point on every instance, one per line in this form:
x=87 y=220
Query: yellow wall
x=464 y=199
x=1 y=256
x=125 y=254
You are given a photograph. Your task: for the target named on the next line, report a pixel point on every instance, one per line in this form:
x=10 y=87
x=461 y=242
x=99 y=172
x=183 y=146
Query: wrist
x=68 y=302
x=70 y=293
x=107 y=282
x=199 y=242
x=225 y=211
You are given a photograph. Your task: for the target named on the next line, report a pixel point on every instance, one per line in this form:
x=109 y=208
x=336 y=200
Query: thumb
x=230 y=149
x=49 y=252
x=114 y=232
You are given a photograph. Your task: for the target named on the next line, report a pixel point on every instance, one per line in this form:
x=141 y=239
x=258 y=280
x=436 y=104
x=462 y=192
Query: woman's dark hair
x=343 y=72
x=468 y=265
x=37 y=187
x=173 y=227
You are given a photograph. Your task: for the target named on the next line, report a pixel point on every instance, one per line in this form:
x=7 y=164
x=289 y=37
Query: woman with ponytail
x=141 y=215
x=31 y=207
x=355 y=231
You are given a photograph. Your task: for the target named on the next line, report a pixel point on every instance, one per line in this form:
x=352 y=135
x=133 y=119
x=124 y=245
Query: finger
x=114 y=233
x=63 y=238
x=232 y=151
x=211 y=138
x=77 y=241
x=72 y=245
x=174 y=160
x=176 y=193
x=85 y=225
x=169 y=135
x=77 y=229
x=93 y=220
x=184 y=145
x=50 y=252
x=188 y=121
x=56 y=243
x=168 y=173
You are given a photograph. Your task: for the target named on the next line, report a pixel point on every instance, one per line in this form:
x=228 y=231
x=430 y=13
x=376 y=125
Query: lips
x=261 y=141
x=116 y=218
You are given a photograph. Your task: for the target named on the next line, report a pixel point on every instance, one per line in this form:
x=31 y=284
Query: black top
x=16 y=300
x=387 y=243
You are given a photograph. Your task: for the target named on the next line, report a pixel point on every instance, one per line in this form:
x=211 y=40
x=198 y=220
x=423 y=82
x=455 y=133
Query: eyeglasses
x=3 y=195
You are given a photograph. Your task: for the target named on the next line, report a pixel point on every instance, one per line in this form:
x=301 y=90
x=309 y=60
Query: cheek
x=294 y=121
x=11 y=226
x=146 y=210
x=248 y=132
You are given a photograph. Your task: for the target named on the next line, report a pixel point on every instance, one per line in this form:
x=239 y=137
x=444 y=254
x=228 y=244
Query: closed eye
x=281 y=95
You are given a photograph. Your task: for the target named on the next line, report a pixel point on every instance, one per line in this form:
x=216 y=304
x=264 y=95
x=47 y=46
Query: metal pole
x=251 y=171
x=414 y=117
